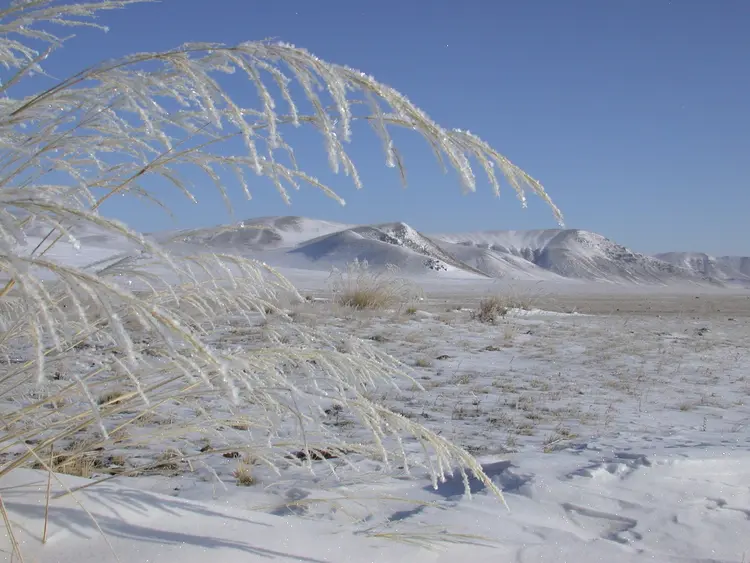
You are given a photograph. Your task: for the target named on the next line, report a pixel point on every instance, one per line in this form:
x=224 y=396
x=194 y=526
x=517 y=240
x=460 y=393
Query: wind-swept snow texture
x=583 y=508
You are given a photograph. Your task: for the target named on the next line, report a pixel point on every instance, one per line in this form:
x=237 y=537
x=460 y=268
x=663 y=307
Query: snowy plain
x=617 y=433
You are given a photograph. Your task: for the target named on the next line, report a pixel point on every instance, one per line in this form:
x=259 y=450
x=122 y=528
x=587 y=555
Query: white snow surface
x=584 y=507
x=613 y=438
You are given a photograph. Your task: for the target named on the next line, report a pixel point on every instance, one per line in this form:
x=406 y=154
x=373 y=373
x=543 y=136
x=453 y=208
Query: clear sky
x=635 y=114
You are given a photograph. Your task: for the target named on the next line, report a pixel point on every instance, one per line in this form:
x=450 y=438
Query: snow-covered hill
x=733 y=270
x=83 y=245
x=380 y=245
x=262 y=233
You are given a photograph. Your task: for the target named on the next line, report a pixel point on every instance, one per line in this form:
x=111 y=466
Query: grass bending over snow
x=92 y=355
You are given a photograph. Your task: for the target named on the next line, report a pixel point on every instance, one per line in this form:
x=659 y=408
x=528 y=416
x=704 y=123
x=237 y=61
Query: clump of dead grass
x=499 y=305
x=361 y=288
x=243 y=473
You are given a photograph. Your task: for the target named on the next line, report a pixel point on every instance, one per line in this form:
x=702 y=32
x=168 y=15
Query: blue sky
x=635 y=114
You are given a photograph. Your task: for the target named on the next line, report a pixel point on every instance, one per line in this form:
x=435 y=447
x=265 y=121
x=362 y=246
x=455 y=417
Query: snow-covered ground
x=613 y=417
x=614 y=438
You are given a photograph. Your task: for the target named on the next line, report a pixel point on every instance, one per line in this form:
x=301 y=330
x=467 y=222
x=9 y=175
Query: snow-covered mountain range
x=549 y=254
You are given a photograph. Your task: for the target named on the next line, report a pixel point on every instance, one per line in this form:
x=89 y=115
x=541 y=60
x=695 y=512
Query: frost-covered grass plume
x=92 y=354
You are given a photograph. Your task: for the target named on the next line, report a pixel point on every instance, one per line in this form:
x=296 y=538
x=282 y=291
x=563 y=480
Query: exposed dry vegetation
x=490 y=308
x=243 y=474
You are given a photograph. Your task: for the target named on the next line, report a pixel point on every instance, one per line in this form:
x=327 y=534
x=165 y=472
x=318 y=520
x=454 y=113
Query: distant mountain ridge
x=733 y=270
x=545 y=254
x=310 y=244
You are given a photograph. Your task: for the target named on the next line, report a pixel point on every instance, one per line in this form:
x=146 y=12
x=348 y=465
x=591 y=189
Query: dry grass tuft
x=79 y=464
x=489 y=309
x=360 y=288
x=169 y=461
x=243 y=473
x=110 y=397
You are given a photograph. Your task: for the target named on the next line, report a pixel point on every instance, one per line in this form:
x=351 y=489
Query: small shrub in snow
x=490 y=308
